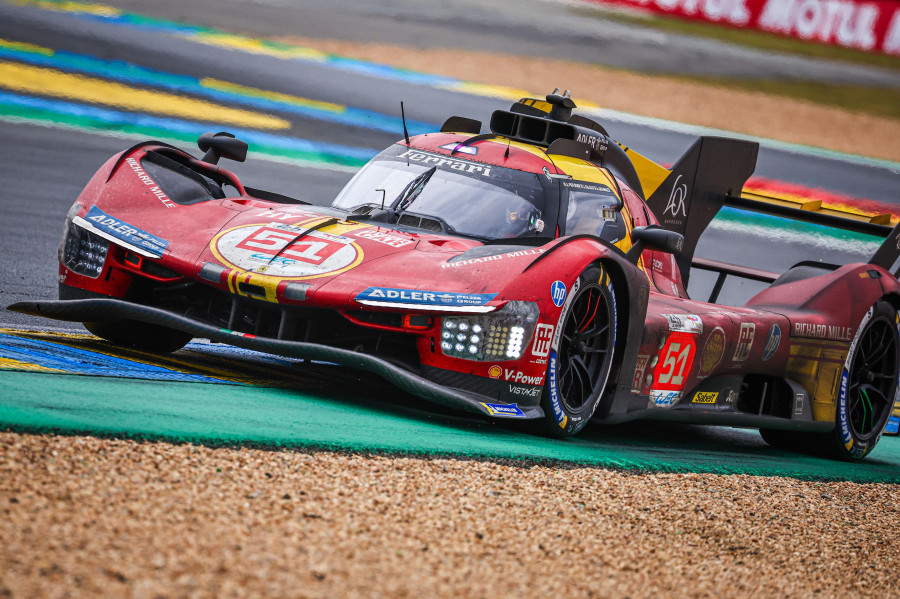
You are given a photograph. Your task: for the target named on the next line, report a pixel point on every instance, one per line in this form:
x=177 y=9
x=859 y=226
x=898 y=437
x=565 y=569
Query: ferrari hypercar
x=535 y=271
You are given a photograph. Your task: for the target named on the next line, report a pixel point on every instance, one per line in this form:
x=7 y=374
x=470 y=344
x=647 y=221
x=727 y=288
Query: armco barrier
x=870 y=25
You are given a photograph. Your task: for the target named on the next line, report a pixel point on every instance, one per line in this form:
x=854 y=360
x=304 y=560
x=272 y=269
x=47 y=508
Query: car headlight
x=497 y=336
x=81 y=251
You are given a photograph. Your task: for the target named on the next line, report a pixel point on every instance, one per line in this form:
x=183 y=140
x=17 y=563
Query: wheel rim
x=586 y=348
x=873 y=379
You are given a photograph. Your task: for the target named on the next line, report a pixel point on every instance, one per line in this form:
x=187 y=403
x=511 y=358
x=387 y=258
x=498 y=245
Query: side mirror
x=222 y=145
x=656 y=238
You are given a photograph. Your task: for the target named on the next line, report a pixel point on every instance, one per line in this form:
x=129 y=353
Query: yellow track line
x=10 y=364
x=277 y=96
x=50 y=82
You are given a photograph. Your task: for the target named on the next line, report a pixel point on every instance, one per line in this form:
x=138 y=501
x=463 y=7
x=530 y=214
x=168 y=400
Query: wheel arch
x=631 y=296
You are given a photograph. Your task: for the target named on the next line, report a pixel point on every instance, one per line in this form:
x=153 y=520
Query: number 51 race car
x=536 y=271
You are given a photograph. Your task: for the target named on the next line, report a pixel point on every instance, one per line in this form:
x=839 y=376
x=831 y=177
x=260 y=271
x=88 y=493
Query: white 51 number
x=676 y=357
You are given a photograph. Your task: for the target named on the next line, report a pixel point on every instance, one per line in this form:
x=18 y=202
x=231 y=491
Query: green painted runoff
x=261 y=416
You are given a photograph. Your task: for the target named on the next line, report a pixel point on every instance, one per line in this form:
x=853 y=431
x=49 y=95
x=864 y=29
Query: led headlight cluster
x=81 y=251
x=497 y=336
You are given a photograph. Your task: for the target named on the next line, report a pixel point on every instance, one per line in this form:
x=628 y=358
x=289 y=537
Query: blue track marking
x=180 y=127
x=79 y=361
x=134 y=74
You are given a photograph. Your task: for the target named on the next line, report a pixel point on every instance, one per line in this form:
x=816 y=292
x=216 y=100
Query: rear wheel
x=581 y=356
x=868 y=385
x=866 y=393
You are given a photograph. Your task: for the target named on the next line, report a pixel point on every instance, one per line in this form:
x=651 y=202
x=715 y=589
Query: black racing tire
x=865 y=396
x=868 y=386
x=129 y=333
x=140 y=335
x=581 y=356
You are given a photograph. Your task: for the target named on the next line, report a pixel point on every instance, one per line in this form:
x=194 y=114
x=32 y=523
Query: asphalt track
x=81 y=82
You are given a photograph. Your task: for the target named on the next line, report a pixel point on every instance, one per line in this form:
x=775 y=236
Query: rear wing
x=688 y=196
x=712 y=174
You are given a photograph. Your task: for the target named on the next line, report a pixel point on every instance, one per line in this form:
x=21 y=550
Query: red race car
x=534 y=272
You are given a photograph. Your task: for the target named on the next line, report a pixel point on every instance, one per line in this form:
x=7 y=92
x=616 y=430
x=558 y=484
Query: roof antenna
x=506 y=153
x=403 y=116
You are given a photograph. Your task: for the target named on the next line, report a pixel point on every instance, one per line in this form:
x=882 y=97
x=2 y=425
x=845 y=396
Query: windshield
x=468 y=198
x=594 y=209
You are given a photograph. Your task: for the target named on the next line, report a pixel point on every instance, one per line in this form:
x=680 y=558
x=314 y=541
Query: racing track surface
x=72 y=88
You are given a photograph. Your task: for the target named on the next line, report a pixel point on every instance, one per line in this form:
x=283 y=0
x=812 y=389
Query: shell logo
x=495 y=371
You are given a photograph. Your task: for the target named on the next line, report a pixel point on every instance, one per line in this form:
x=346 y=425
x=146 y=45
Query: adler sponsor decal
x=822 y=331
x=417 y=297
x=443 y=162
x=146 y=180
x=118 y=229
x=597 y=143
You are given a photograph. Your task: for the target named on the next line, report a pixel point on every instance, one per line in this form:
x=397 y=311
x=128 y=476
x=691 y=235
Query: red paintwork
x=419 y=261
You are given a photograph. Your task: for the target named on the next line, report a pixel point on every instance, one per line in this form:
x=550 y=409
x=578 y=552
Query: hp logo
x=558 y=293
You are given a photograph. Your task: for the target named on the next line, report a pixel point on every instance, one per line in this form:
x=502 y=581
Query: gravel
x=88 y=517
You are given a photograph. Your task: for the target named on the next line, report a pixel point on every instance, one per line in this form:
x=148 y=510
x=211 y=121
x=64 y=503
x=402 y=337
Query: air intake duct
x=543 y=131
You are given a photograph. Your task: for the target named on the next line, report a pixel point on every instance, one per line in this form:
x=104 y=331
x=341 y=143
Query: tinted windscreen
x=594 y=210
x=468 y=197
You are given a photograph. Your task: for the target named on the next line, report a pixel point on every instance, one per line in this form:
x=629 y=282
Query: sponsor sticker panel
x=287 y=251
x=713 y=350
x=503 y=410
x=705 y=397
x=745 y=342
x=111 y=226
x=423 y=297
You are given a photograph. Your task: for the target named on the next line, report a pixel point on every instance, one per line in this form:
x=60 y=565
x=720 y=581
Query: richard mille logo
x=677 y=198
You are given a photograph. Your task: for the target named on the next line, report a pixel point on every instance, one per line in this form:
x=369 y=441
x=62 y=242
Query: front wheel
x=581 y=355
